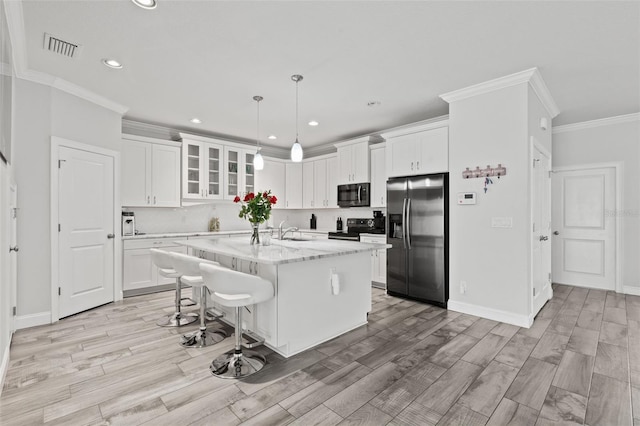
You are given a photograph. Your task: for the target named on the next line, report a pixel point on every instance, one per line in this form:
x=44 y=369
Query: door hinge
x=15 y=311
x=59 y=291
x=59 y=228
x=534 y=292
x=60 y=163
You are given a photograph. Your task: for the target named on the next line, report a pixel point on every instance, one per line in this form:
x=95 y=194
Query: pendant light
x=258 y=161
x=296 y=149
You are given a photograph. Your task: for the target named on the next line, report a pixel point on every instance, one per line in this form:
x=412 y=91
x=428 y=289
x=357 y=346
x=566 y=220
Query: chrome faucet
x=282 y=233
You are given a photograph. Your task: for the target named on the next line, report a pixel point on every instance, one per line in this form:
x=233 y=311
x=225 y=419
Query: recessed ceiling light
x=272 y=137
x=373 y=104
x=145 y=4
x=112 y=63
x=196 y=121
x=313 y=123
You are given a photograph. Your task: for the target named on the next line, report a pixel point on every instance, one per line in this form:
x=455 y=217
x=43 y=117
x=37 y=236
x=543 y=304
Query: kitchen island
x=322 y=287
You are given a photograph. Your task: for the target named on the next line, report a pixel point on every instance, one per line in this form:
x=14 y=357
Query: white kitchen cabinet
x=378 y=259
x=150 y=173
x=272 y=177
x=353 y=161
x=293 y=186
x=201 y=170
x=308 y=188
x=418 y=153
x=239 y=174
x=378 y=176
x=332 y=182
x=320 y=196
x=140 y=275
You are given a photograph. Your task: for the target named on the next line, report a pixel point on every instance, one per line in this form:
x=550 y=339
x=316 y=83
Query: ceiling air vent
x=61 y=47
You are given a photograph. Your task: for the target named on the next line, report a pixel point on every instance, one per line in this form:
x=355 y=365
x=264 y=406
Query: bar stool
x=236 y=289
x=188 y=268
x=162 y=260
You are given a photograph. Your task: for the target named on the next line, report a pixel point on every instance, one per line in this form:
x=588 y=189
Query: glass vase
x=255 y=234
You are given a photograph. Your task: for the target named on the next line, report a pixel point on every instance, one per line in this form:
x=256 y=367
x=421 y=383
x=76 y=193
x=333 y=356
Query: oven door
x=354 y=195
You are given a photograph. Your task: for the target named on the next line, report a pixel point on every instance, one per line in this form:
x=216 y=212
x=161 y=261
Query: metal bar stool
x=236 y=289
x=162 y=260
x=188 y=268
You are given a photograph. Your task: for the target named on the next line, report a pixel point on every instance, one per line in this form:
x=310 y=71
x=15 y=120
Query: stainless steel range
x=356 y=226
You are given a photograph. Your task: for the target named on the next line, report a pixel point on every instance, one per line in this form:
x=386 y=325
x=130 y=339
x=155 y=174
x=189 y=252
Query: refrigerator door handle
x=359 y=189
x=404 y=229
x=408 y=233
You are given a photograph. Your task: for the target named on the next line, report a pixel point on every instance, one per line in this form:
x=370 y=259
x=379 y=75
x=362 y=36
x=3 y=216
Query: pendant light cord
x=297 y=110
x=258 y=128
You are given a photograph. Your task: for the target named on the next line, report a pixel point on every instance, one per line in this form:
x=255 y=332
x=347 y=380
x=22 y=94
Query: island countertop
x=280 y=251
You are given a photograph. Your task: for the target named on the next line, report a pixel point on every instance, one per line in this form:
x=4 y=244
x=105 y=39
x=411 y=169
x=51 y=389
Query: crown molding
x=531 y=76
x=15 y=24
x=609 y=121
x=420 y=126
x=155 y=131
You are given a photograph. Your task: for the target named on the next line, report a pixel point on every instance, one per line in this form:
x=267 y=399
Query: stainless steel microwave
x=354 y=195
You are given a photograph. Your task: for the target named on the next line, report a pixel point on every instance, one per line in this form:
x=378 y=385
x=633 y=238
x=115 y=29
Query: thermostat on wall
x=466 y=197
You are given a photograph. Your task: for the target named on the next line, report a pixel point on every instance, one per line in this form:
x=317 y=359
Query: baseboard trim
x=4 y=366
x=627 y=289
x=32 y=320
x=490 y=313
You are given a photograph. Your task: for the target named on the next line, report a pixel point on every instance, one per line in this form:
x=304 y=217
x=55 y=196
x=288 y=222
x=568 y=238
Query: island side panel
x=309 y=313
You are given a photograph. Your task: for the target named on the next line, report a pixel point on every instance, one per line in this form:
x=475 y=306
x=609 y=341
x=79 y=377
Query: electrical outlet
x=463 y=287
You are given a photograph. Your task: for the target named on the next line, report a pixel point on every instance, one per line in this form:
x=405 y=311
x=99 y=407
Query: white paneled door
x=584 y=226
x=541 y=238
x=86 y=237
x=13 y=249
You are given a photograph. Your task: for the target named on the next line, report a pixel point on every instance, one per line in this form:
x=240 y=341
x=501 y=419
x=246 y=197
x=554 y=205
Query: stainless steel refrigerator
x=417 y=264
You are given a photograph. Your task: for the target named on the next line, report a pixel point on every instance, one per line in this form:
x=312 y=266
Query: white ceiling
x=207 y=59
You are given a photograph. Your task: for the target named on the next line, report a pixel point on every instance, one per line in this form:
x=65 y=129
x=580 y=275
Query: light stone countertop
x=280 y=252
x=185 y=234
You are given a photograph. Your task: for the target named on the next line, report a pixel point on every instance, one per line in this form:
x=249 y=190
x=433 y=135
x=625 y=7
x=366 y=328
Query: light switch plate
x=502 y=222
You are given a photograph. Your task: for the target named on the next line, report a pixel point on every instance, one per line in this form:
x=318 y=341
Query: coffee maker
x=378 y=220
x=128 y=223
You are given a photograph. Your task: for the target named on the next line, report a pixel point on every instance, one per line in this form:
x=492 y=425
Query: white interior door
x=541 y=238
x=584 y=237
x=13 y=250
x=86 y=237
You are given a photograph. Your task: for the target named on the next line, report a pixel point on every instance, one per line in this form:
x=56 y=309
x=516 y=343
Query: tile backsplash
x=196 y=218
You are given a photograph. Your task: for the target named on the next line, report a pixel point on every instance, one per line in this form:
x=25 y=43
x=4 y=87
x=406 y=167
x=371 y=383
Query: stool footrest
x=190 y=303
x=251 y=340
x=213 y=314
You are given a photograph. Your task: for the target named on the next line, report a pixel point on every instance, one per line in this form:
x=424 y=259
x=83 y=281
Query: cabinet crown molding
x=416 y=128
x=150 y=140
x=531 y=76
x=352 y=141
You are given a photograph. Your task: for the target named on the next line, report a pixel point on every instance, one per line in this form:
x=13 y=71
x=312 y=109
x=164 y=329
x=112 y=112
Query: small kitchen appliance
x=128 y=223
x=354 y=195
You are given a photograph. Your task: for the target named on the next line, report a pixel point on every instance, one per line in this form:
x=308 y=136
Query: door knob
x=110 y=236
x=14 y=248
x=543 y=238
x=556 y=233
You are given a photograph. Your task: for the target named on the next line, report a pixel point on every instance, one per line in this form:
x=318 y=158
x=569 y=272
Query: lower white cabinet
x=140 y=275
x=378 y=259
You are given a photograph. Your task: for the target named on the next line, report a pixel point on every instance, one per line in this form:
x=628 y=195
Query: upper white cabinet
x=239 y=172
x=272 y=177
x=201 y=170
x=378 y=176
x=418 y=151
x=150 y=172
x=325 y=187
x=308 y=190
x=293 y=185
x=353 y=161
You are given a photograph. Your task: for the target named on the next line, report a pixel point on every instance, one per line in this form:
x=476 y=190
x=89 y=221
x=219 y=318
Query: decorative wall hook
x=489 y=171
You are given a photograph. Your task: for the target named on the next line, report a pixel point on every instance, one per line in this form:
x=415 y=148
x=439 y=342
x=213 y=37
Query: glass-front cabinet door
x=249 y=172
x=232 y=171
x=192 y=170
x=213 y=187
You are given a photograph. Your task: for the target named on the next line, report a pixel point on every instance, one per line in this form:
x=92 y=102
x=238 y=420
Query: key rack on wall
x=498 y=171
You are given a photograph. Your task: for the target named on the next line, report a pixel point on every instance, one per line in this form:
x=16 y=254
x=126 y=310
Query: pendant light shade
x=296 y=149
x=258 y=161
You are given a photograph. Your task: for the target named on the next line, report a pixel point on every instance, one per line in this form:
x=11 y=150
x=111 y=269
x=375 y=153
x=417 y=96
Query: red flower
x=249 y=196
x=237 y=199
x=273 y=199
x=264 y=194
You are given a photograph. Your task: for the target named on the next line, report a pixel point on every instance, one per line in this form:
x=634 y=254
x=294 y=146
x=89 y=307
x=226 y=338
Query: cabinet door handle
x=154 y=199
x=418 y=165
x=412 y=165
x=381 y=200
x=148 y=199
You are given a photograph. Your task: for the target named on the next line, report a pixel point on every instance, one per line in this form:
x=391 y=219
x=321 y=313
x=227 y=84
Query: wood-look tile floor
x=413 y=364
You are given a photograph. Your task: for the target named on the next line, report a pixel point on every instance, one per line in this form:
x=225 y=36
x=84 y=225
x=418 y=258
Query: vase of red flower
x=256 y=208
